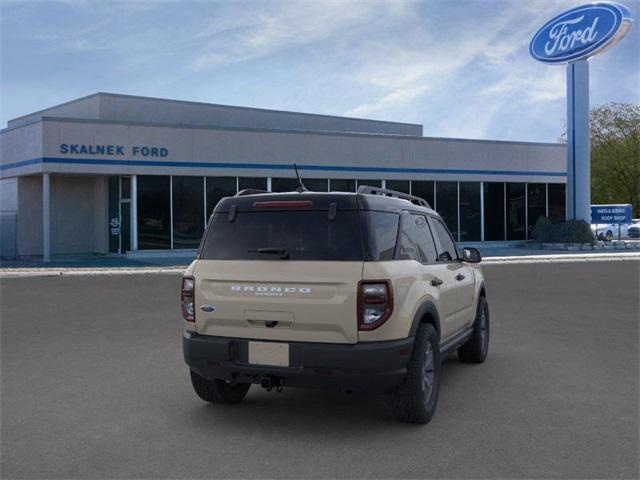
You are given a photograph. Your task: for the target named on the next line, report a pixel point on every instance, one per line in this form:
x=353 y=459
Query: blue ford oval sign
x=581 y=32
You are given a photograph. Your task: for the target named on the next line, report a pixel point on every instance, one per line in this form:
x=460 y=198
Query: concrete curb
x=564 y=258
x=68 y=272
x=74 y=272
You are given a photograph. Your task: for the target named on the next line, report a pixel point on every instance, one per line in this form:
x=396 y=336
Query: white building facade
x=121 y=174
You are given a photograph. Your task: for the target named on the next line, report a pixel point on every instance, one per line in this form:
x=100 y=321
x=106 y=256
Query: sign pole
x=571 y=37
x=578 y=142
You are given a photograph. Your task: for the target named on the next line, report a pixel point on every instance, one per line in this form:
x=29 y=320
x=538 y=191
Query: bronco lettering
x=262 y=289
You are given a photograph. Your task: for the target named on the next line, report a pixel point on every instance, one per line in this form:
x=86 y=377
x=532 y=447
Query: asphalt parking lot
x=94 y=386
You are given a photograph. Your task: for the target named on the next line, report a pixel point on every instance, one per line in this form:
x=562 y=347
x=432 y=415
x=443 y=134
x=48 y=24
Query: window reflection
x=536 y=204
x=285 y=184
x=493 y=211
x=447 y=205
x=516 y=211
x=469 y=211
x=255 y=183
x=557 y=202
x=188 y=211
x=217 y=189
x=398 y=185
x=154 y=215
x=370 y=183
x=316 y=184
x=423 y=189
x=342 y=185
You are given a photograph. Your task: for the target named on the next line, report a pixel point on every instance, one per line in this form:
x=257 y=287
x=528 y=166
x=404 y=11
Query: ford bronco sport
x=357 y=291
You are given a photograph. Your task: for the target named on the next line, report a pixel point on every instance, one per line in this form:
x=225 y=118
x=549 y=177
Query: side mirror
x=471 y=255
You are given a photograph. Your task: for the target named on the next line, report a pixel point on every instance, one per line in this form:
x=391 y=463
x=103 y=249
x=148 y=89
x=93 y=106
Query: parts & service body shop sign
x=611 y=213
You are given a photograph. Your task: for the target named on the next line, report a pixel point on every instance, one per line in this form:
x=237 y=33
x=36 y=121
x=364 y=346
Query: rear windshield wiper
x=283 y=252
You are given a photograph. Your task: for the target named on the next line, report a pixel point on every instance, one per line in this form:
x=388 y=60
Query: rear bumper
x=370 y=367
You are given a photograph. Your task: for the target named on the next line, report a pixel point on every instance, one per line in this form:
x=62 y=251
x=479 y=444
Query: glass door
x=119 y=214
x=114 y=215
x=125 y=226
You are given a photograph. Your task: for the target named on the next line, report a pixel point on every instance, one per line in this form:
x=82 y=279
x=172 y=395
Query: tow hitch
x=271 y=382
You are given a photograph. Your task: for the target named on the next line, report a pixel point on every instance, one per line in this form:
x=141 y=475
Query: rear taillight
x=375 y=303
x=186 y=298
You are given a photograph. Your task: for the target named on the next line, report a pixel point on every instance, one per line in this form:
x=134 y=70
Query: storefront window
x=516 y=212
x=125 y=185
x=342 y=185
x=188 y=211
x=423 y=189
x=217 y=189
x=154 y=214
x=398 y=185
x=470 y=211
x=493 y=211
x=291 y=184
x=557 y=202
x=536 y=204
x=316 y=184
x=255 y=183
x=284 y=184
x=370 y=183
x=447 y=203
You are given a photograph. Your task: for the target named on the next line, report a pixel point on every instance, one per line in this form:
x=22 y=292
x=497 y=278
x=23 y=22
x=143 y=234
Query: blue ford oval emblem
x=581 y=32
x=207 y=308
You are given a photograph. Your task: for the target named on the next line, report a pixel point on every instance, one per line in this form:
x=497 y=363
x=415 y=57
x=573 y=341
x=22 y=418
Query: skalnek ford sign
x=581 y=32
x=115 y=150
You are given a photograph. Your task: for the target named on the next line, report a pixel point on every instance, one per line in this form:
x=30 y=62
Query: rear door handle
x=436 y=282
x=460 y=277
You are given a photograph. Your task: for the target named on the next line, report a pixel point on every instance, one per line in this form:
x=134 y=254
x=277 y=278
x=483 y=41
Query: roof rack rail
x=249 y=191
x=365 y=189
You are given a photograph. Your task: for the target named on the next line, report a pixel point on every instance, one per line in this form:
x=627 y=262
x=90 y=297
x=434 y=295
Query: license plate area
x=269 y=353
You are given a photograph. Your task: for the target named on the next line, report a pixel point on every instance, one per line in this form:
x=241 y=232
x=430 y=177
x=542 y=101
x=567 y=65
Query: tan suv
x=357 y=291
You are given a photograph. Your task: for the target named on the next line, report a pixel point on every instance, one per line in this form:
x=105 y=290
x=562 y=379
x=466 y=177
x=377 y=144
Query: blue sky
x=460 y=68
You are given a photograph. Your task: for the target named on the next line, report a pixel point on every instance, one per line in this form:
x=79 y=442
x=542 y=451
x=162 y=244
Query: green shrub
x=572 y=231
x=542 y=231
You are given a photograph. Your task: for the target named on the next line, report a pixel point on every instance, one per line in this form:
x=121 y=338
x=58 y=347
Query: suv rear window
x=416 y=242
x=302 y=234
x=382 y=233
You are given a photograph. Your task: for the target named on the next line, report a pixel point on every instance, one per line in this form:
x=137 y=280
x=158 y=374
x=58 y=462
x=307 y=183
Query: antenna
x=301 y=188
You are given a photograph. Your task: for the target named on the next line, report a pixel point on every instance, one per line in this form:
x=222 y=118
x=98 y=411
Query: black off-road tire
x=415 y=400
x=476 y=348
x=218 y=391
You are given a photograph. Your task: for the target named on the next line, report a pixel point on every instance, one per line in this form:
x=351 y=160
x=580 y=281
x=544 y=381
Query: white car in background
x=609 y=231
x=634 y=229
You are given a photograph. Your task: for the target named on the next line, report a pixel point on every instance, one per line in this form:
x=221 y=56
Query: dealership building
x=119 y=174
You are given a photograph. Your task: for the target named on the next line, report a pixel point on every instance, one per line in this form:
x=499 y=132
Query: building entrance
x=119 y=214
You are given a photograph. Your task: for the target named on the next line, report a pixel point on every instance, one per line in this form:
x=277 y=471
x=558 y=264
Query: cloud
x=487 y=55
x=284 y=25
x=393 y=100
x=458 y=67
x=79 y=25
